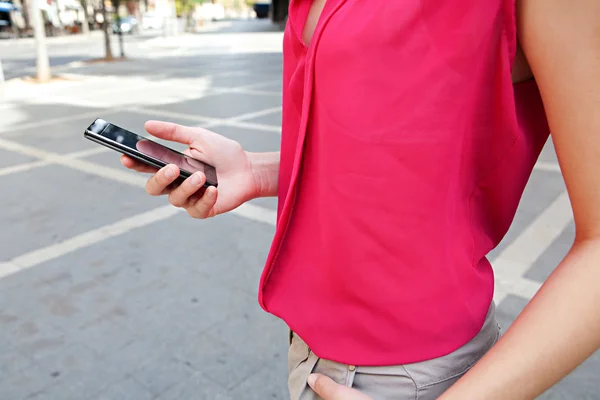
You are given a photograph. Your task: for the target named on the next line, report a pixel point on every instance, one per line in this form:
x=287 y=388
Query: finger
x=137 y=165
x=181 y=196
x=172 y=132
x=329 y=390
x=158 y=182
x=204 y=207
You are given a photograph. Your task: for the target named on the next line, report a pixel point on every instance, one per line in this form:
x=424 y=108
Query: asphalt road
x=107 y=293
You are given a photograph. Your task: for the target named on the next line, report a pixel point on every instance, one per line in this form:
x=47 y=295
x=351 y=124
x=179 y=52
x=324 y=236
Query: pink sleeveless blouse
x=405 y=151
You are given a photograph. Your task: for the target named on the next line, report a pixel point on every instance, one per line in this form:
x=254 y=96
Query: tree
x=185 y=9
x=107 y=48
x=42 y=60
x=25 y=12
x=116 y=4
x=85 y=26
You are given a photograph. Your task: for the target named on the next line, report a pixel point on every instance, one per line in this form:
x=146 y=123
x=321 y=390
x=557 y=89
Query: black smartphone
x=148 y=151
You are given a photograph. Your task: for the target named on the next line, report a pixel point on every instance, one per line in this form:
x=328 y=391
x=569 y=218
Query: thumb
x=172 y=132
x=329 y=390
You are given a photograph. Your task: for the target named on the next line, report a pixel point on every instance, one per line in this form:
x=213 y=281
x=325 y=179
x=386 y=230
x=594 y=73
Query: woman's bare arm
x=560 y=327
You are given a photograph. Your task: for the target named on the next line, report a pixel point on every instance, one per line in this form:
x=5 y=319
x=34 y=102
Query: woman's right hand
x=237 y=181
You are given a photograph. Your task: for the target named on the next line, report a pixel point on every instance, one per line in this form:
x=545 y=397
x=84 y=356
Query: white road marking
x=256 y=114
x=248 y=211
x=253 y=212
x=256 y=213
x=7 y=268
x=258 y=92
x=87 y=153
x=516 y=259
x=547 y=166
x=253 y=126
x=47 y=122
x=22 y=167
x=173 y=115
x=521 y=287
x=509 y=266
x=538 y=236
x=80 y=165
x=36 y=164
x=207 y=122
x=87 y=239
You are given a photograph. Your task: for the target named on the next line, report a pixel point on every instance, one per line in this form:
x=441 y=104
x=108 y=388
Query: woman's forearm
x=556 y=332
x=265 y=167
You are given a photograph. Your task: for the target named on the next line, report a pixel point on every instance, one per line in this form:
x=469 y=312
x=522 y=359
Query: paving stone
x=37 y=339
x=35 y=113
x=580 y=384
x=266 y=384
x=250 y=139
x=13 y=361
x=508 y=310
x=229 y=81
x=72 y=359
x=163 y=374
x=11 y=159
x=24 y=383
x=542 y=189
x=273 y=119
x=548 y=152
x=255 y=332
x=44 y=214
x=224 y=105
x=219 y=361
x=125 y=390
x=549 y=260
x=196 y=387
x=176 y=291
x=59 y=137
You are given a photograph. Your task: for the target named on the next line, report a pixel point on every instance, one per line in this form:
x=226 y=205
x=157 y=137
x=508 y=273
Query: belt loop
x=350 y=375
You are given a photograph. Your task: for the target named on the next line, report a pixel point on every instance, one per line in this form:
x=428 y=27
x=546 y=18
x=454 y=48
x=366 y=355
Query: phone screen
x=186 y=164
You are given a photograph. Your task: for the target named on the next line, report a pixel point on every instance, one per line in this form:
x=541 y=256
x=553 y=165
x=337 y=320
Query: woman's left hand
x=329 y=390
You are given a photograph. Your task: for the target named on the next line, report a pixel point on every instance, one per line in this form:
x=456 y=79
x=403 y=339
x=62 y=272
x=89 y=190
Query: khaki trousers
x=425 y=380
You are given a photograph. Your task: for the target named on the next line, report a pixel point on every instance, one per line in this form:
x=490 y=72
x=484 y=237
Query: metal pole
x=42 y=61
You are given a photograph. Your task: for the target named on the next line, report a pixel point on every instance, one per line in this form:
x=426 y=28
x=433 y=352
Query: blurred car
x=128 y=25
x=262 y=8
x=152 y=21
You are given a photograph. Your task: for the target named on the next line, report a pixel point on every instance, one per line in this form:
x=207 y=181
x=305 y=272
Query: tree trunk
x=85 y=26
x=116 y=5
x=42 y=60
x=109 y=55
x=25 y=12
x=120 y=37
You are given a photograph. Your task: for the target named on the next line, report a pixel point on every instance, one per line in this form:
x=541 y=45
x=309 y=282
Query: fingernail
x=312 y=378
x=169 y=172
x=195 y=179
x=210 y=192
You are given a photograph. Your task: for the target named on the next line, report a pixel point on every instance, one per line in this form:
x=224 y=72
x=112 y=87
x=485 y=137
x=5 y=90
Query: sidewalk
x=52 y=40
x=109 y=293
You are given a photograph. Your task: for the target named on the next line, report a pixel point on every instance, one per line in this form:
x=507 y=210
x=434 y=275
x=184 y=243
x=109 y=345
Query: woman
x=410 y=129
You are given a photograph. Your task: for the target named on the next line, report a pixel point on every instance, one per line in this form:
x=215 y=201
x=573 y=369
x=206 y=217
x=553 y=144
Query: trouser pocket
x=435 y=376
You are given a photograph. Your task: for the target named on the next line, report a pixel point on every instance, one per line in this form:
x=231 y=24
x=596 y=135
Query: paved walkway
x=103 y=293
